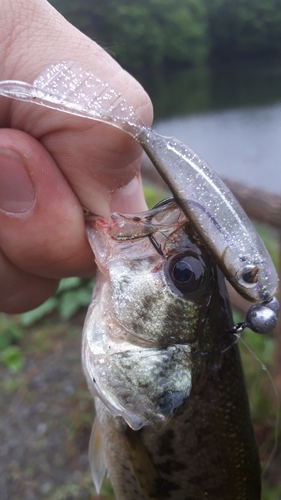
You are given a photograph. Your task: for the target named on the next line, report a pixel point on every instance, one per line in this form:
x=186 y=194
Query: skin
x=51 y=164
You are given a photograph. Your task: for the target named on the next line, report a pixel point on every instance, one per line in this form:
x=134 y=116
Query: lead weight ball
x=261 y=319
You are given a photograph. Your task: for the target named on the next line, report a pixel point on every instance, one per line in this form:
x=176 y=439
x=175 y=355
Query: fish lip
x=98 y=221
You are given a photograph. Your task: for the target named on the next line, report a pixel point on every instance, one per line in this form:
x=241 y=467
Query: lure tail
x=66 y=87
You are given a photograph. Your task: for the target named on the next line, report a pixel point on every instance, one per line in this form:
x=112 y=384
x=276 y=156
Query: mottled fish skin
x=207 y=450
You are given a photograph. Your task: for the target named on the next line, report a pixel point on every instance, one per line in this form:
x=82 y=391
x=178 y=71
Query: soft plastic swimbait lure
x=216 y=215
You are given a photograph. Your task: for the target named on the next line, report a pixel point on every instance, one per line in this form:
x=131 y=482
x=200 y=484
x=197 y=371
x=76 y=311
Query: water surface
x=230 y=116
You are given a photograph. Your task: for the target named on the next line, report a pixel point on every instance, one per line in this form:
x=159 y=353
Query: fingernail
x=17 y=192
x=129 y=198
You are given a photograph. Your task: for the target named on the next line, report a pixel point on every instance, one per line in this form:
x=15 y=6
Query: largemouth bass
x=173 y=418
x=161 y=359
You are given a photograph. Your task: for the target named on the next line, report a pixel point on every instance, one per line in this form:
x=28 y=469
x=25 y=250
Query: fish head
x=156 y=273
x=152 y=308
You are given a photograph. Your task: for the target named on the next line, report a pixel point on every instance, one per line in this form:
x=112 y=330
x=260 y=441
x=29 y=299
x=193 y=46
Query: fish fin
x=97 y=456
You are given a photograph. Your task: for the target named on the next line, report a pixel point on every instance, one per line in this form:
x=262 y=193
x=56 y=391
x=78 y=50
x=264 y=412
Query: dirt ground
x=46 y=419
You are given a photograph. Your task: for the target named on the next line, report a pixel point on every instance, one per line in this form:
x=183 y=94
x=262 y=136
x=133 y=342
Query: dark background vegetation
x=151 y=33
x=48 y=412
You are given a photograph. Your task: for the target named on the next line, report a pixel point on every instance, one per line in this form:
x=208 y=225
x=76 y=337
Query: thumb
x=41 y=220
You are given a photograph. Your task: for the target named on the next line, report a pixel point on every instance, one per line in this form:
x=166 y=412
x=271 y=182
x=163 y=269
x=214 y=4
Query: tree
x=143 y=33
x=244 y=28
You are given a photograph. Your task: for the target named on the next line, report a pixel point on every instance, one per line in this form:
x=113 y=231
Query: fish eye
x=187 y=273
x=182 y=271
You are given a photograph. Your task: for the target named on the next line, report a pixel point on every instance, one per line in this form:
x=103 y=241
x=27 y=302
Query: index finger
x=96 y=160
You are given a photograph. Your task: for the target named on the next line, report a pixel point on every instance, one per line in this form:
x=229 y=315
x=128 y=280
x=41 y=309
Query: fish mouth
x=164 y=217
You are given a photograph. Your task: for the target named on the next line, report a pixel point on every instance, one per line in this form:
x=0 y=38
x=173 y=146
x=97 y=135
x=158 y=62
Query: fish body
x=163 y=365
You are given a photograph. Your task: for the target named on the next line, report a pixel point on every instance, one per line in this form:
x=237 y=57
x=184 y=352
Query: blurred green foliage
x=244 y=28
x=143 y=33
x=154 y=33
x=72 y=294
x=11 y=332
x=152 y=195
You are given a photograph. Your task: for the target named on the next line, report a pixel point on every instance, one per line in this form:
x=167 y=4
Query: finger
x=98 y=161
x=21 y=291
x=41 y=220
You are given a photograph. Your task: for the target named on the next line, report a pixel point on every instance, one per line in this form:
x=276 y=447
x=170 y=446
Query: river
x=230 y=116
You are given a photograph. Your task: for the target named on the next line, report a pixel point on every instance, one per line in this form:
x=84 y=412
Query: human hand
x=52 y=164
